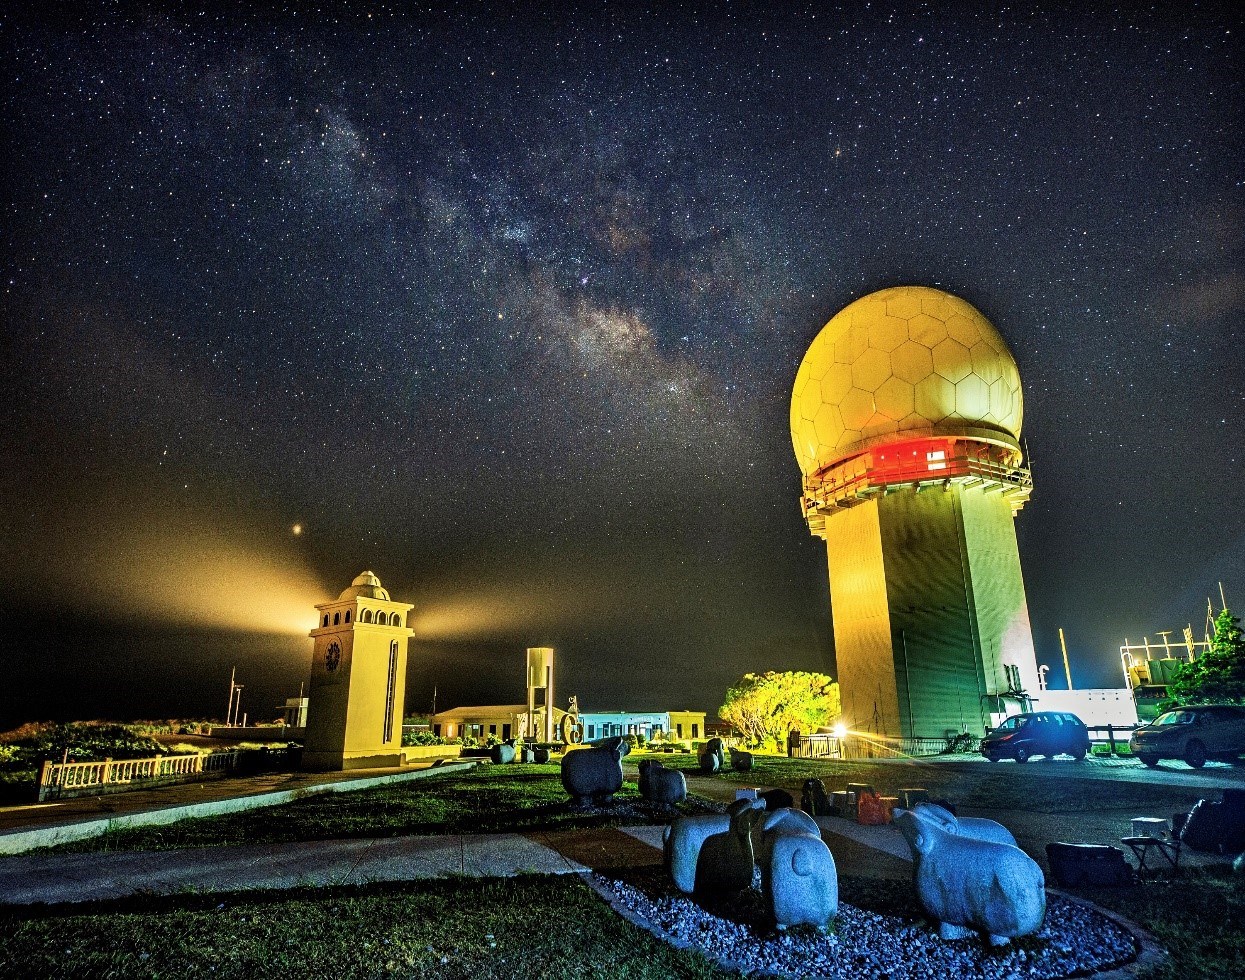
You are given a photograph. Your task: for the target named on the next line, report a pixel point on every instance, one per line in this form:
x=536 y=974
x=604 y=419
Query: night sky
x=506 y=307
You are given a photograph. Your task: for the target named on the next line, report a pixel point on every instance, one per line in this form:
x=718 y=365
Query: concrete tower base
x=929 y=610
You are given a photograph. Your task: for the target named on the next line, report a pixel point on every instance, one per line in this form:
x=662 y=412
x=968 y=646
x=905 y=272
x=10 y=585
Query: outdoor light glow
x=840 y=730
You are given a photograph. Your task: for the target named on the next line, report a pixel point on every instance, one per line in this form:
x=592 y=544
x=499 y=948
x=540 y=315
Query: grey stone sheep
x=595 y=774
x=979 y=828
x=741 y=761
x=711 y=758
x=726 y=860
x=969 y=885
x=661 y=785
x=681 y=844
x=798 y=876
x=503 y=753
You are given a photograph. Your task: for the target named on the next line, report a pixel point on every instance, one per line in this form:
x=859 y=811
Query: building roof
x=490 y=711
x=366 y=585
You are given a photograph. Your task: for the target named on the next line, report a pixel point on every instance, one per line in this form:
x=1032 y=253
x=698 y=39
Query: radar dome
x=906 y=361
x=366 y=585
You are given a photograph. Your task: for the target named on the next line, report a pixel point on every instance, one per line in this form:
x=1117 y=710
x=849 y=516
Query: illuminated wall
x=358 y=680
x=905 y=420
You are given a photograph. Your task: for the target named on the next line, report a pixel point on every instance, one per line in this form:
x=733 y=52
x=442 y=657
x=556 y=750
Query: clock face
x=332 y=656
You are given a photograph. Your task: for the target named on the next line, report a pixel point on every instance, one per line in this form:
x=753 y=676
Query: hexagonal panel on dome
x=912 y=362
x=871 y=369
x=836 y=383
x=963 y=329
x=934 y=398
x=952 y=360
x=888 y=332
x=972 y=398
x=851 y=344
x=926 y=330
x=903 y=302
x=1000 y=400
x=915 y=422
x=856 y=408
x=847 y=440
x=815 y=361
x=895 y=398
x=985 y=360
x=878 y=425
x=827 y=425
x=935 y=304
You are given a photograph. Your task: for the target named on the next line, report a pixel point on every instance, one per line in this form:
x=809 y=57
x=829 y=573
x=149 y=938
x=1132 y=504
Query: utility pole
x=1067 y=669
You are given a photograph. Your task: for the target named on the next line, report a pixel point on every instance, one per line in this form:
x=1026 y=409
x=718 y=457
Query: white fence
x=84 y=778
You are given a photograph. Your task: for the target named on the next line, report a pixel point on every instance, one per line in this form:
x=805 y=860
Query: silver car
x=1193 y=733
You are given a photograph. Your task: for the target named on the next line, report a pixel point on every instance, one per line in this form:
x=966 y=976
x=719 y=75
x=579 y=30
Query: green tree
x=764 y=708
x=1218 y=675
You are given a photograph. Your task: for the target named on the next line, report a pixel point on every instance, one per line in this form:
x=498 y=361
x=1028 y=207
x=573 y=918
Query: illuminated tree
x=1219 y=673
x=764 y=708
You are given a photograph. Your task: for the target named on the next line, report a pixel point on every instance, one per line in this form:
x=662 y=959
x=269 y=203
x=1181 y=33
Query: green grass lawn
x=534 y=926
x=485 y=799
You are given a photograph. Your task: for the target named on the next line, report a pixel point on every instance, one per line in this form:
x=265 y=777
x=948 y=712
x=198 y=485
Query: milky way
x=507 y=305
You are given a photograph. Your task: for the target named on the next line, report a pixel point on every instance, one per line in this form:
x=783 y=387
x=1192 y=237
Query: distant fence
x=824 y=745
x=1111 y=734
x=69 y=779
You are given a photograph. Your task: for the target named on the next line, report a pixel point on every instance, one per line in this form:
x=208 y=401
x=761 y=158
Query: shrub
x=422 y=738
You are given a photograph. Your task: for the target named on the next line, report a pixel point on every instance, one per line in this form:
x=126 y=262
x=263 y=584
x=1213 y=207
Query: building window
x=505 y=733
x=367 y=615
x=592 y=731
x=492 y=729
x=326 y=619
x=679 y=730
x=695 y=730
x=394 y=621
x=436 y=730
x=391 y=691
x=936 y=459
x=347 y=615
x=337 y=618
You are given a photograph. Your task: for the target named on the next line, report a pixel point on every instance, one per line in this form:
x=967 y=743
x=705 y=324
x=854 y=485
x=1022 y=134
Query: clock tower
x=358 y=680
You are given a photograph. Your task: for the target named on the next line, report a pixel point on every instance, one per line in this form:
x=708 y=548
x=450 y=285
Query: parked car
x=1193 y=734
x=1048 y=733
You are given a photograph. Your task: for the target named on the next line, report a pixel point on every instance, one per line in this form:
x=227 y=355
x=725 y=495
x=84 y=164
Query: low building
x=505 y=721
x=646 y=724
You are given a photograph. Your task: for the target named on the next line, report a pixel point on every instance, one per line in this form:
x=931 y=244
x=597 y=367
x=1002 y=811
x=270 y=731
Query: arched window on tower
x=326 y=619
x=394 y=620
x=337 y=618
x=347 y=615
x=367 y=615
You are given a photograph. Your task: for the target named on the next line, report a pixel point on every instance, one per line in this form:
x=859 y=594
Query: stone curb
x=21 y=841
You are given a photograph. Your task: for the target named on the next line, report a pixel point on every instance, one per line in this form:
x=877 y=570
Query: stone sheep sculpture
x=681 y=844
x=978 y=828
x=798 y=876
x=969 y=885
x=813 y=800
x=593 y=775
x=502 y=753
x=661 y=785
x=741 y=761
x=725 y=864
x=711 y=758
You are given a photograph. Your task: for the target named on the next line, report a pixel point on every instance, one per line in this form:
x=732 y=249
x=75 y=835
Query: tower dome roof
x=904 y=362
x=366 y=585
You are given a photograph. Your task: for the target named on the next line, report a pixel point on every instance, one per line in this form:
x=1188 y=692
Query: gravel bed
x=1073 y=940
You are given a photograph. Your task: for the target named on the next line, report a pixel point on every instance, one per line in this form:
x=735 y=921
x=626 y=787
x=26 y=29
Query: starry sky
x=505 y=304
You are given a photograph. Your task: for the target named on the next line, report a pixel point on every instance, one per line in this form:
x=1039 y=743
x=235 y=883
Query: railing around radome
x=83 y=778
x=1111 y=735
x=823 y=745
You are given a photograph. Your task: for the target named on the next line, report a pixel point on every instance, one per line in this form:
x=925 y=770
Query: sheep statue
x=798 y=876
x=741 y=761
x=593 y=775
x=661 y=785
x=978 y=828
x=813 y=799
x=968 y=885
x=503 y=753
x=712 y=759
x=724 y=866
x=681 y=844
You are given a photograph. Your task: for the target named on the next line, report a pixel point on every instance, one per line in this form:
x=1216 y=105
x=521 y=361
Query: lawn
x=533 y=926
x=485 y=799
